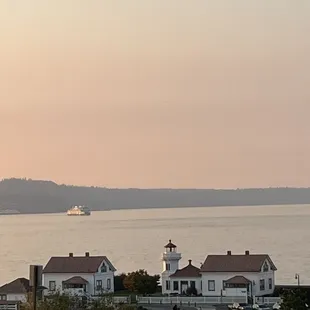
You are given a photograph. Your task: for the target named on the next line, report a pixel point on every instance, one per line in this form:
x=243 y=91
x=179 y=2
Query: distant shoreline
x=47 y=197
x=152 y=208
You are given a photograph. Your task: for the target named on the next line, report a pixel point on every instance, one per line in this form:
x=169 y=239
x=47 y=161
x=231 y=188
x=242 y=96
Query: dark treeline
x=29 y=196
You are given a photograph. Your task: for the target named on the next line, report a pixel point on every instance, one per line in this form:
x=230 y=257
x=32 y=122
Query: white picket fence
x=191 y=300
x=116 y=299
x=8 y=307
x=267 y=300
x=121 y=299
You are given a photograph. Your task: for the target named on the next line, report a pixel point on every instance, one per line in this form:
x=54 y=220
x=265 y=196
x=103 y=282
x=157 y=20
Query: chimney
x=190 y=262
x=247 y=252
x=87 y=254
x=228 y=252
x=70 y=254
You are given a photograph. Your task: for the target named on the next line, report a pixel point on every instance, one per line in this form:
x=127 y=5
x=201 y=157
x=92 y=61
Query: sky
x=156 y=93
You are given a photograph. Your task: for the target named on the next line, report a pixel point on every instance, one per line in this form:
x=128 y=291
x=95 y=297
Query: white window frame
x=210 y=289
x=52 y=286
x=99 y=286
x=168 y=285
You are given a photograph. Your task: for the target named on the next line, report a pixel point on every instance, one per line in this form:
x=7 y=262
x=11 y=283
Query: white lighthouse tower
x=170 y=260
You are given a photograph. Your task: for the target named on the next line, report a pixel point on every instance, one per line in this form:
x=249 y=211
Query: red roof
x=76 y=264
x=238 y=280
x=75 y=280
x=18 y=286
x=236 y=263
x=189 y=271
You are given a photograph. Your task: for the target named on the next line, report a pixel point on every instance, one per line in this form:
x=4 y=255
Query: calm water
x=134 y=239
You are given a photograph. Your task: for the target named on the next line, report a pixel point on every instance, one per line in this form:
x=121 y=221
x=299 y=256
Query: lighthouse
x=170 y=259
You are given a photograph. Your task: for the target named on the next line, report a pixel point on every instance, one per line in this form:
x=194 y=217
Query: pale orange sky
x=156 y=93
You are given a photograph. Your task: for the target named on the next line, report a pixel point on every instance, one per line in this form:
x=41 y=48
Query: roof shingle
x=76 y=264
x=18 y=286
x=236 y=263
x=75 y=280
x=189 y=271
x=238 y=280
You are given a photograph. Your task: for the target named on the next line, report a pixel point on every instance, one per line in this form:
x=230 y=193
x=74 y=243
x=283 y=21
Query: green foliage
x=297 y=299
x=140 y=282
x=119 y=282
x=191 y=291
x=56 y=301
x=68 y=302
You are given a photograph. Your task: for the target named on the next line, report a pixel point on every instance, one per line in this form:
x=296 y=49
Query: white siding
x=179 y=280
x=91 y=278
x=219 y=277
x=16 y=297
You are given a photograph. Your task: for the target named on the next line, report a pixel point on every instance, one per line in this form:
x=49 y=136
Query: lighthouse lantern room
x=170 y=258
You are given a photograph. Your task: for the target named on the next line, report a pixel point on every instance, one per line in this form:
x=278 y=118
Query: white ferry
x=78 y=210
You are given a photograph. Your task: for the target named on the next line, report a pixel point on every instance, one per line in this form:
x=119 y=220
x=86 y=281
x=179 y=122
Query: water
x=134 y=239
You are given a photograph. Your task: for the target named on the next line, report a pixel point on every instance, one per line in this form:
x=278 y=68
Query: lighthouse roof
x=189 y=271
x=170 y=245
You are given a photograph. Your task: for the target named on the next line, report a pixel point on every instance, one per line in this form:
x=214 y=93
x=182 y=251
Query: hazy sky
x=156 y=93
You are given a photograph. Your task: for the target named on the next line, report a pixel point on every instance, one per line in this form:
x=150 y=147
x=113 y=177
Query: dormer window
x=103 y=268
x=265 y=267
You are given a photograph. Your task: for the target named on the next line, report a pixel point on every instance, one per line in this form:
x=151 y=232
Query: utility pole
x=35 y=282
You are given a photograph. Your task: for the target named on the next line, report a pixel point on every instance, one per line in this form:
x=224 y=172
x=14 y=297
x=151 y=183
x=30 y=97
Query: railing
x=267 y=300
x=191 y=300
x=116 y=299
x=8 y=307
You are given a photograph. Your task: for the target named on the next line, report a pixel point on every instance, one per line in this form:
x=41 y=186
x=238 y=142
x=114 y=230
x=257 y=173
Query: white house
x=16 y=291
x=90 y=275
x=236 y=275
x=220 y=275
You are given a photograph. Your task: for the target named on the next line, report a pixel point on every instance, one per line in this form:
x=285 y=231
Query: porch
x=75 y=286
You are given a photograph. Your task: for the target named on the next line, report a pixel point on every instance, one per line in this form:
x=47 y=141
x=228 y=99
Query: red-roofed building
x=82 y=275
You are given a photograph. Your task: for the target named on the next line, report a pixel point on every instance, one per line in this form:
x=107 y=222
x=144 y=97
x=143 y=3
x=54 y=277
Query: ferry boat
x=78 y=210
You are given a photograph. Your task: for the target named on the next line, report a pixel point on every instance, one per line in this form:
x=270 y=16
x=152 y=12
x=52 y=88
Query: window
x=262 y=284
x=265 y=267
x=108 y=284
x=103 y=268
x=224 y=284
x=167 y=266
x=52 y=285
x=99 y=285
x=167 y=285
x=2 y=297
x=193 y=284
x=270 y=283
x=175 y=285
x=211 y=285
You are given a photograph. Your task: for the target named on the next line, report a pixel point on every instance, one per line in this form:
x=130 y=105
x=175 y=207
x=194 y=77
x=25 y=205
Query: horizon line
x=150 y=188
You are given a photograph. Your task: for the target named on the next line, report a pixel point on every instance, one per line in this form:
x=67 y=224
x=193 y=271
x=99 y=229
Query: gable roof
x=238 y=280
x=189 y=271
x=18 y=286
x=75 y=280
x=76 y=264
x=236 y=263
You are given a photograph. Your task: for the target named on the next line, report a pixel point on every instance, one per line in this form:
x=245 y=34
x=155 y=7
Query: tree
x=295 y=299
x=68 y=302
x=119 y=282
x=141 y=282
x=191 y=291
